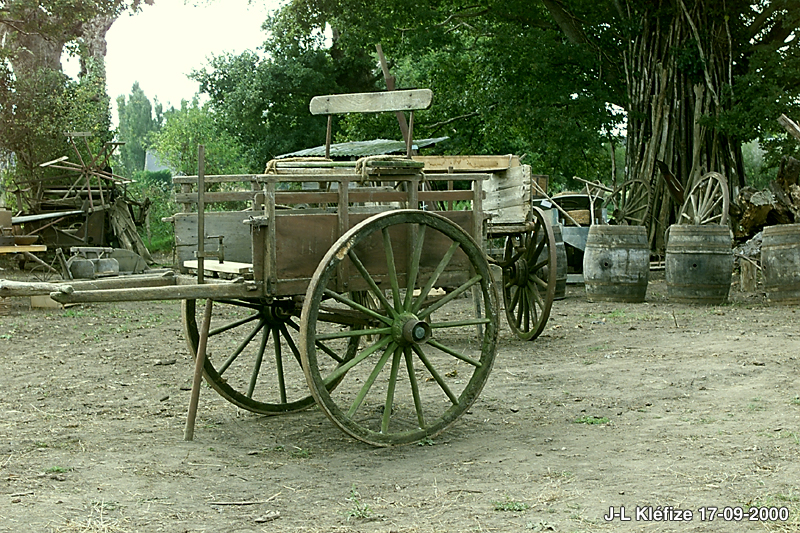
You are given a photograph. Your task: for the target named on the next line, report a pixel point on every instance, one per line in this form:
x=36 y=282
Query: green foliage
x=359 y=509
x=186 y=128
x=156 y=187
x=137 y=120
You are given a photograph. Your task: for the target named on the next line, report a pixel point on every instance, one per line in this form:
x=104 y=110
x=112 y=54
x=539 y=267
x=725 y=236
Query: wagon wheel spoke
x=407 y=355
x=421 y=350
x=708 y=201
x=629 y=203
x=236 y=366
x=392 y=269
x=529 y=281
x=257 y=367
x=228 y=362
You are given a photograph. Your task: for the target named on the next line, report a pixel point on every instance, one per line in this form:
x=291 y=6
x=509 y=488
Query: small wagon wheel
x=629 y=204
x=529 y=277
x=242 y=333
x=708 y=202
x=420 y=365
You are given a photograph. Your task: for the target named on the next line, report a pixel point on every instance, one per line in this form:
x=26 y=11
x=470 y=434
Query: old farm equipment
x=358 y=289
x=80 y=204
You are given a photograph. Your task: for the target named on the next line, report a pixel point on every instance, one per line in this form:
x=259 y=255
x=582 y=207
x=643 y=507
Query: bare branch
x=566 y=21
x=438 y=125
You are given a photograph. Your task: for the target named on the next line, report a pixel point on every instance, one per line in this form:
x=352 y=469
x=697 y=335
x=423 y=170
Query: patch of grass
x=359 y=509
x=597 y=348
x=594 y=420
x=754 y=405
x=791 y=501
x=427 y=441
x=510 y=505
x=301 y=453
x=58 y=470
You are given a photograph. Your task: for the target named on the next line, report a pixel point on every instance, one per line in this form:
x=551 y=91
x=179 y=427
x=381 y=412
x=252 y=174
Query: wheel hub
x=520 y=272
x=408 y=329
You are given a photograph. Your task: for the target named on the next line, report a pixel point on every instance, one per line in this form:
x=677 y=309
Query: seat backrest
x=377 y=102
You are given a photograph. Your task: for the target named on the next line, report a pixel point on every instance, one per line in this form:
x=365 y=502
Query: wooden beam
x=790 y=126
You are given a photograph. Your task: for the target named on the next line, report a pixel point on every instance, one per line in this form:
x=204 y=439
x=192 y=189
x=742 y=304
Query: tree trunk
x=676 y=64
x=675 y=77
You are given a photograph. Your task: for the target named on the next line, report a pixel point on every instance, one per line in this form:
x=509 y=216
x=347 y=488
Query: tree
x=490 y=94
x=262 y=100
x=137 y=120
x=694 y=78
x=38 y=103
x=186 y=128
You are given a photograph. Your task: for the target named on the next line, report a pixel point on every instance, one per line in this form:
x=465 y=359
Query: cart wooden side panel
x=302 y=240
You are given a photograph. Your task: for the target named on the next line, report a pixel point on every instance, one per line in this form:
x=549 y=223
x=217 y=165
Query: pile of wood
x=779 y=204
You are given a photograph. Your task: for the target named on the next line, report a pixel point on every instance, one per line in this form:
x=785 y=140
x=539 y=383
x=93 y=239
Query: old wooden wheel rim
x=417 y=370
x=529 y=277
x=253 y=359
x=708 y=202
x=629 y=204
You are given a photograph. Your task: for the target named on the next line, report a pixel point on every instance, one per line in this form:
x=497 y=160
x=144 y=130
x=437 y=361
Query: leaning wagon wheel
x=708 y=202
x=423 y=365
x=629 y=204
x=529 y=277
x=242 y=333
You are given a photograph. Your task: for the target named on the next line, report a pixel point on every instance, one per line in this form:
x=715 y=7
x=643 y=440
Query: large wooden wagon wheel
x=252 y=355
x=420 y=364
x=708 y=202
x=529 y=277
x=629 y=204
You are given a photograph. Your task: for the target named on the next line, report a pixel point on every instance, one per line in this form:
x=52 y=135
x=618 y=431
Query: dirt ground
x=653 y=405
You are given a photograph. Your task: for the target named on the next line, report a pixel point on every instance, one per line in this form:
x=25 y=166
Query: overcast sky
x=163 y=43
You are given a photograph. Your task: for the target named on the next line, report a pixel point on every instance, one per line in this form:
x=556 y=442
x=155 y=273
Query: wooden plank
x=17 y=249
x=231 y=178
x=356 y=195
x=508 y=195
x=228 y=267
x=214 y=197
x=468 y=163
x=377 y=102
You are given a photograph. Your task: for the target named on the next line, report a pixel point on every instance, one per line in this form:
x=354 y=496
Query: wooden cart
x=360 y=288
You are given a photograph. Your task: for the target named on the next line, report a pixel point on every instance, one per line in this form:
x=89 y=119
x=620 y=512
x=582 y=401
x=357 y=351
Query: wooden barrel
x=561 y=264
x=699 y=263
x=780 y=263
x=616 y=263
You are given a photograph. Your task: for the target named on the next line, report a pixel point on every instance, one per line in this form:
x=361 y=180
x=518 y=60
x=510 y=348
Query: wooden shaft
x=533 y=182
x=201 y=205
x=199 y=362
x=409 y=142
x=171 y=292
x=401 y=118
x=328 y=134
